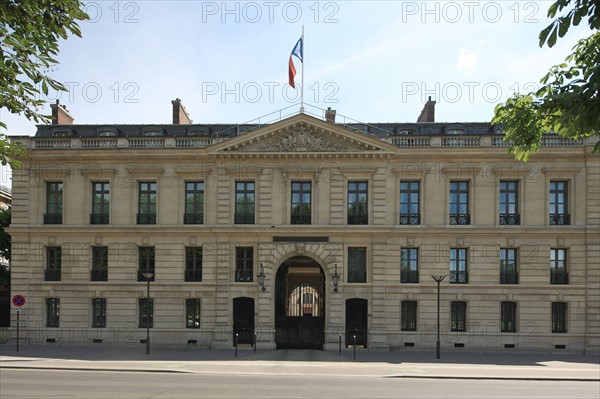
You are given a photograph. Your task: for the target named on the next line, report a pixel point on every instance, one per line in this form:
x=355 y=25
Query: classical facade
x=305 y=231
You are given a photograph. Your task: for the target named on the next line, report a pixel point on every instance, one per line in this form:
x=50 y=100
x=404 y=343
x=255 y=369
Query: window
x=357 y=265
x=508 y=317
x=559 y=317
x=100 y=203
x=193 y=264
x=192 y=313
x=52 y=312
x=54 y=203
x=53 y=264
x=408 y=316
x=409 y=202
x=146 y=312
x=459 y=203
x=244 y=202
x=409 y=265
x=301 y=202
x=558 y=266
x=458 y=316
x=559 y=211
x=458 y=266
x=99 y=264
x=358 y=207
x=194 y=203
x=508 y=266
x=99 y=313
x=147 y=203
x=509 y=203
x=244 y=262
x=146 y=262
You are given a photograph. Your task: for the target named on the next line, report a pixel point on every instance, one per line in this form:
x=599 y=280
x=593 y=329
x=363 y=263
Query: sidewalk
x=397 y=364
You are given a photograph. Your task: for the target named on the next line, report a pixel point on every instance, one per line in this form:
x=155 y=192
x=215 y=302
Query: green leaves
x=30 y=31
x=11 y=153
x=560 y=26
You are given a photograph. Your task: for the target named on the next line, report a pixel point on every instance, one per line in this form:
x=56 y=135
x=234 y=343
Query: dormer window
x=107 y=131
x=153 y=131
x=199 y=131
x=406 y=132
x=456 y=131
x=62 y=133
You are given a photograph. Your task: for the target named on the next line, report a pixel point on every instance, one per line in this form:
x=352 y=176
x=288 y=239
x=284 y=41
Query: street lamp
x=261 y=277
x=438 y=280
x=148 y=276
x=335 y=279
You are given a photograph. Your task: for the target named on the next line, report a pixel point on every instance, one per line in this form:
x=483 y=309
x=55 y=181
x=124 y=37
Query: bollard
x=235 y=344
x=255 y=343
x=340 y=346
x=354 y=343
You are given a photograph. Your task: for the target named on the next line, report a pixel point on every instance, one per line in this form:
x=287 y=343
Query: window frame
x=458 y=308
x=98 y=312
x=147 y=202
x=101 y=191
x=459 y=266
x=304 y=217
x=53 y=269
x=409 y=217
x=408 y=315
x=357 y=276
x=193 y=264
x=353 y=208
x=459 y=200
x=52 y=312
x=508 y=198
x=245 y=210
x=99 y=271
x=558 y=199
x=54 y=202
x=244 y=265
x=409 y=265
x=146 y=262
x=556 y=275
x=508 y=317
x=561 y=325
x=508 y=276
x=194 y=197
x=146 y=312
x=196 y=314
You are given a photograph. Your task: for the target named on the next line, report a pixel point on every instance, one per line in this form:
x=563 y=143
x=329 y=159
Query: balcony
x=244 y=218
x=99 y=275
x=409 y=276
x=52 y=275
x=146 y=218
x=459 y=277
x=460 y=219
x=99 y=218
x=559 y=277
x=140 y=274
x=509 y=278
x=193 y=275
x=193 y=218
x=510 y=219
x=410 y=218
x=560 y=219
x=53 y=218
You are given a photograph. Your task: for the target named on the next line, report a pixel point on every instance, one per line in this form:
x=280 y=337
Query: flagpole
x=302 y=84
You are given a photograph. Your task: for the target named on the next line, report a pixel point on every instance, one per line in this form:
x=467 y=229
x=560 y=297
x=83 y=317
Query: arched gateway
x=300 y=304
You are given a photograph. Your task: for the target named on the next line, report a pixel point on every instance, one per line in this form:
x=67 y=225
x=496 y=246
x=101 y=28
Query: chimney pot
x=60 y=114
x=180 y=115
x=428 y=112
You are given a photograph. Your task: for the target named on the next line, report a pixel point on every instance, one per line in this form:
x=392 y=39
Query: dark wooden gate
x=243 y=320
x=300 y=305
x=356 y=321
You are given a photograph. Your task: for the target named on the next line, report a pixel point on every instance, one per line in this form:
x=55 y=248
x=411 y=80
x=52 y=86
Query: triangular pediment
x=302 y=134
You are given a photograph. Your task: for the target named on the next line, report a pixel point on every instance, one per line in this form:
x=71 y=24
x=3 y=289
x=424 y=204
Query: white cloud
x=467 y=60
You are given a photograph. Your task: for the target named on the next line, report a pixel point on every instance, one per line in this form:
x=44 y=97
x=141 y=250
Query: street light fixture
x=438 y=280
x=335 y=278
x=148 y=276
x=261 y=277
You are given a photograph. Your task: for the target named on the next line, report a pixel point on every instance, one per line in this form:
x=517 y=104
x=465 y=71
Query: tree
x=30 y=31
x=568 y=101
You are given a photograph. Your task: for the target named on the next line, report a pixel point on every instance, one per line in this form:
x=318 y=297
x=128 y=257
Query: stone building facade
x=305 y=231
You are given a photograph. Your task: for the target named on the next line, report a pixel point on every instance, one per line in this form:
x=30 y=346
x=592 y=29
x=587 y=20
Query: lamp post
x=148 y=276
x=261 y=277
x=335 y=279
x=438 y=280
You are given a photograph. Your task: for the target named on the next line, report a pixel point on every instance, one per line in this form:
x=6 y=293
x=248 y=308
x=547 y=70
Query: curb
x=96 y=369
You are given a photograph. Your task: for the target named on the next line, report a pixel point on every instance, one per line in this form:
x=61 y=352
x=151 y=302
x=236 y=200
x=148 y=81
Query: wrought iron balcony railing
x=560 y=219
x=509 y=278
x=459 y=277
x=409 y=276
x=510 y=219
x=193 y=275
x=99 y=218
x=410 y=218
x=99 y=275
x=146 y=218
x=460 y=218
x=53 y=218
x=52 y=274
x=559 y=277
x=193 y=218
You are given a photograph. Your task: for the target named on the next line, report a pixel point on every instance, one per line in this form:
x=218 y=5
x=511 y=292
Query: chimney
x=180 y=115
x=60 y=115
x=428 y=113
x=330 y=115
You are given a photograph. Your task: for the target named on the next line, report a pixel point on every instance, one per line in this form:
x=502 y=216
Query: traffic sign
x=18 y=300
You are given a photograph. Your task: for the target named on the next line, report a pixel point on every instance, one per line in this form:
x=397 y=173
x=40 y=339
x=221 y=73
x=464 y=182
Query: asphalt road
x=100 y=384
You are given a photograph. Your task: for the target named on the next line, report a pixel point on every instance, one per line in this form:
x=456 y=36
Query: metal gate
x=356 y=322
x=300 y=304
x=243 y=320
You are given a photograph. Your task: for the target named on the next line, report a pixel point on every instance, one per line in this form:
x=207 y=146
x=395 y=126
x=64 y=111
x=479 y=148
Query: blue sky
x=372 y=61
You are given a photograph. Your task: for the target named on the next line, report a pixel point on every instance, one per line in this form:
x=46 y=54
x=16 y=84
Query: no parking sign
x=18 y=301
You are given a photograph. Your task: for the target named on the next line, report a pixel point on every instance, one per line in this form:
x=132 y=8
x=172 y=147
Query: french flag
x=297 y=51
